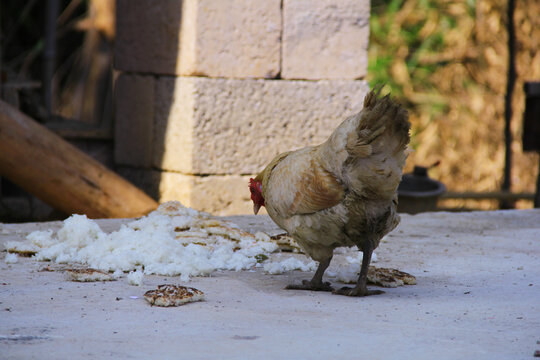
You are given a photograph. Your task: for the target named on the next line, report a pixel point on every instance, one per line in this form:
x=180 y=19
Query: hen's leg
x=316 y=283
x=361 y=289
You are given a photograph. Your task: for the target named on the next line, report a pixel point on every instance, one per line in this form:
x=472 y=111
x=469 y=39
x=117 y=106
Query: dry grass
x=448 y=61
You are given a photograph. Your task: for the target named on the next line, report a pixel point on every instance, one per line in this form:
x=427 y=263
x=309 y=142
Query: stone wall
x=210 y=91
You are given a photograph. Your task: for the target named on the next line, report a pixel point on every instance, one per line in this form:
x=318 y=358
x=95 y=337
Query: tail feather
x=377 y=146
x=380 y=116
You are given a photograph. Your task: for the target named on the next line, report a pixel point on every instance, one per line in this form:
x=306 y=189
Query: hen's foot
x=347 y=291
x=308 y=285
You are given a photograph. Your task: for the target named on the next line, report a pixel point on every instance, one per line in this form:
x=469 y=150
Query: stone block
x=134 y=120
x=231 y=38
x=216 y=194
x=236 y=126
x=325 y=39
x=148 y=36
x=225 y=38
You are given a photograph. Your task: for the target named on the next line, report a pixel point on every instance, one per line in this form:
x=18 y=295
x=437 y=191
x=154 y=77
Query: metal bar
x=537 y=196
x=1 y=58
x=495 y=195
x=49 y=53
x=511 y=79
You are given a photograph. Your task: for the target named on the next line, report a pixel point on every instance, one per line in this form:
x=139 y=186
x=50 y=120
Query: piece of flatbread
x=389 y=277
x=21 y=249
x=88 y=275
x=173 y=295
x=287 y=243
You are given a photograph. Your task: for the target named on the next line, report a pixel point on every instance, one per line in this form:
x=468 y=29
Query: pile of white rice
x=173 y=240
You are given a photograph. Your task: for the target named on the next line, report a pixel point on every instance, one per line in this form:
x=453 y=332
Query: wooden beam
x=58 y=173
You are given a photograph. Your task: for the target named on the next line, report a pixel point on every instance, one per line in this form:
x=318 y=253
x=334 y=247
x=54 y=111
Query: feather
x=318 y=190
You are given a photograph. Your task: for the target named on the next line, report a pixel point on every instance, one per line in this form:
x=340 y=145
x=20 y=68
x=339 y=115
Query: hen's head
x=256 y=194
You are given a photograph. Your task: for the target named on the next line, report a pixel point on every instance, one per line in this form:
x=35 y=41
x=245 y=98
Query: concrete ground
x=477 y=297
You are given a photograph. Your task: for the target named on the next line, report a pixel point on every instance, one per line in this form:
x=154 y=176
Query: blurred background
x=459 y=66
x=56 y=66
x=449 y=61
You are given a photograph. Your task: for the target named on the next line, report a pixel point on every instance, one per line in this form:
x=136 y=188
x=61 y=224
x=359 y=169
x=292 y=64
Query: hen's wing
x=299 y=184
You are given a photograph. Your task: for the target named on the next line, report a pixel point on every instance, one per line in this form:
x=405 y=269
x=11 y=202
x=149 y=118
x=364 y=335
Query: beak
x=256 y=208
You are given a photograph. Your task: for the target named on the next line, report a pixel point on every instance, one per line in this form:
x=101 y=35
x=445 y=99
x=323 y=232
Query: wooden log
x=58 y=173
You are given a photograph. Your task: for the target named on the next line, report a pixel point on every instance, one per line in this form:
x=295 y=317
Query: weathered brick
x=219 y=195
x=148 y=36
x=225 y=38
x=134 y=120
x=236 y=126
x=216 y=194
x=325 y=39
x=231 y=38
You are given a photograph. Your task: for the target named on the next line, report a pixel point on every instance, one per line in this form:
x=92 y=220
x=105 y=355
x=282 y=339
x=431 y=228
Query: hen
x=342 y=192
